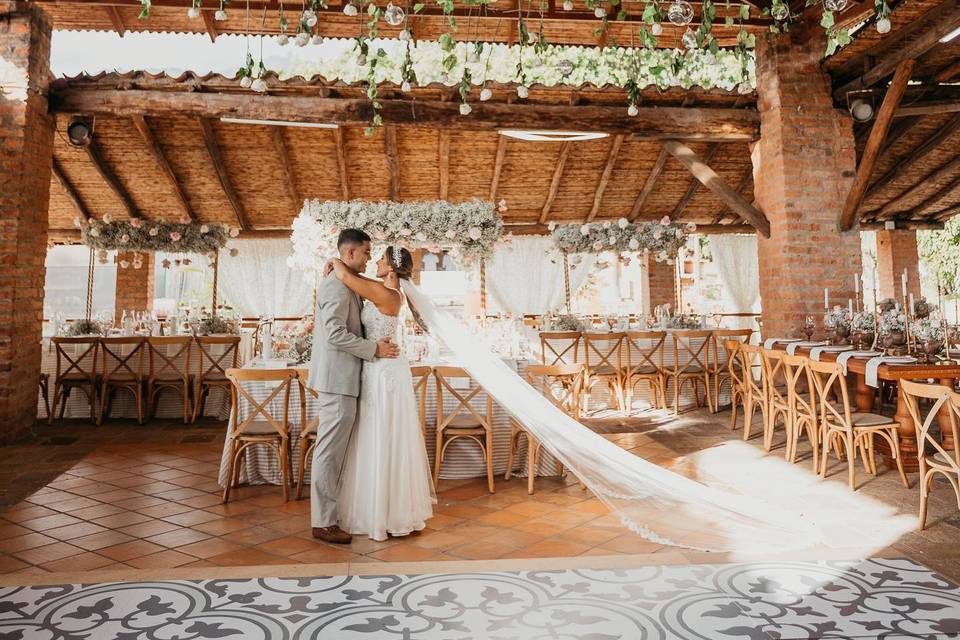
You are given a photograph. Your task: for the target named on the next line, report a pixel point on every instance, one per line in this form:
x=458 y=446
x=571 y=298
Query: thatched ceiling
x=271 y=169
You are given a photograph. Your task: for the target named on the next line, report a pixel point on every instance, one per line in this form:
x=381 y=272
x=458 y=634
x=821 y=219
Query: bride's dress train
x=386 y=486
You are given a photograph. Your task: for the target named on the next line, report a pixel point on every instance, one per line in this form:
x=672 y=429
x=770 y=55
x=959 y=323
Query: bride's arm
x=372 y=290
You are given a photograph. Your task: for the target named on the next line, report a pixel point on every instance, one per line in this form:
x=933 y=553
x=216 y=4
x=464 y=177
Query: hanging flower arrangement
x=470 y=229
x=138 y=235
x=661 y=239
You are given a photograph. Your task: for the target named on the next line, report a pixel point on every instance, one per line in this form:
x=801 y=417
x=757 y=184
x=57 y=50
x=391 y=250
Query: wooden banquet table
x=461 y=460
x=944 y=372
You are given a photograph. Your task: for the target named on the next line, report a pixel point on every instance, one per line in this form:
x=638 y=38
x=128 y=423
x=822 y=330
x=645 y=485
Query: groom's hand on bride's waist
x=386 y=348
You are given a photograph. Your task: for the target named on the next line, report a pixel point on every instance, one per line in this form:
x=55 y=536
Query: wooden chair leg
x=230 y=472
x=302 y=460
x=676 y=395
x=925 y=476
x=436 y=458
x=850 y=445
x=284 y=454
x=899 y=458
x=489 y=455
x=514 y=439
x=532 y=448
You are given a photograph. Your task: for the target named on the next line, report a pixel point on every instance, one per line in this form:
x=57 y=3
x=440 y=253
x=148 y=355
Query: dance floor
x=775 y=599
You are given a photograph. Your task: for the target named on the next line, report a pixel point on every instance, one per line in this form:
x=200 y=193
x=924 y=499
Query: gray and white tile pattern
x=783 y=600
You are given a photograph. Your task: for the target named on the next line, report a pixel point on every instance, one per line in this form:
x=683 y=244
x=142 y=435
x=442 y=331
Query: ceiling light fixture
x=950 y=36
x=79 y=132
x=279 y=123
x=553 y=136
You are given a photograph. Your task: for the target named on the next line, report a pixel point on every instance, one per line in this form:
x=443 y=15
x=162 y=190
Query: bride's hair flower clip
x=396 y=255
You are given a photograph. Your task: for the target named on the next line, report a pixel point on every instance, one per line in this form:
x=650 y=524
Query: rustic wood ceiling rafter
x=605 y=176
x=106 y=172
x=216 y=160
x=70 y=190
x=155 y=150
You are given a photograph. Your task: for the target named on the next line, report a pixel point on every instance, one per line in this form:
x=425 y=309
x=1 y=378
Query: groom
x=339 y=350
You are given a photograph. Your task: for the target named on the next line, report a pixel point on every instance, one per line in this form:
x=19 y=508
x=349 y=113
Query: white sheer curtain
x=522 y=279
x=735 y=257
x=257 y=281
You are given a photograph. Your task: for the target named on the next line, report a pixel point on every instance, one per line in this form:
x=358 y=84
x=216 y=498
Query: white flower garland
x=471 y=229
x=661 y=239
x=138 y=235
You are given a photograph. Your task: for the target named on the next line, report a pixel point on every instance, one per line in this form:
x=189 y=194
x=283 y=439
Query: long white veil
x=658 y=504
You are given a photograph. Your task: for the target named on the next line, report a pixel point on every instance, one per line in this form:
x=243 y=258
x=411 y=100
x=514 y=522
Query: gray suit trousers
x=338 y=415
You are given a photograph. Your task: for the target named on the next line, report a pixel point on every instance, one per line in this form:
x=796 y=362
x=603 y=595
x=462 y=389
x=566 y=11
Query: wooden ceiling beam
x=709 y=178
x=871 y=151
x=216 y=159
x=709 y=124
x=532 y=229
x=694 y=185
x=342 y=162
x=937 y=196
x=73 y=235
x=100 y=164
x=210 y=24
x=71 y=191
x=443 y=162
x=889 y=209
x=947 y=73
x=555 y=180
x=927 y=108
x=116 y=20
x=393 y=160
x=605 y=177
x=744 y=181
x=286 y=166
x=904 y=164
x=902 y=223
x=897 y=131
x=498 y=166
x=649 y=184
x=153 y=147
x=908 y=43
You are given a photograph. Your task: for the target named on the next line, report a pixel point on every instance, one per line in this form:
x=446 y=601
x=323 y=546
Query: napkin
x=874 y=364
x=769 y=342
x=793 y=346
x=844 y=357
x=816 y=351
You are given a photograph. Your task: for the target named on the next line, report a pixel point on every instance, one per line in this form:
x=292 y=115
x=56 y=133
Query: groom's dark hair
x=352 y=236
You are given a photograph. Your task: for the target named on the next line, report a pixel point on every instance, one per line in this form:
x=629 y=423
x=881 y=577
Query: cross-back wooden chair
x=933 y=458
x=77 y=361
x=560 y=384
x=262 y=327
x=722 y=357
x=421 y=380
x=603 y=361
x=464 y=421
x=261 y=425
x=774 y=394
x=802 y=411
x=751 y=365
x=169 y=369
x=852 y=431
x=45 y=392
x=644 y=362
x=691 y=364
x=308 y=433
x=122 y=369
x=559 y=347
x=212 y=369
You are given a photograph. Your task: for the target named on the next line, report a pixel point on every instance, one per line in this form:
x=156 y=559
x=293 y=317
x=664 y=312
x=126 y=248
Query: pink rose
x=175 y=236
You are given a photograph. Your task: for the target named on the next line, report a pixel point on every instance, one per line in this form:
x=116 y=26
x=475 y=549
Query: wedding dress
x=386 y=486
x=656 y=503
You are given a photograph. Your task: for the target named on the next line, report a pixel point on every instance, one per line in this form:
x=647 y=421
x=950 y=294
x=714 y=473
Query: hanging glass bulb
x=349 y=10
x=565 y=67
x=193 y=13
x=690 y=39
x=656 y=28
x=883 y=25
x=220 y=15
x=568 y=5
x=633 y=110
x=246 y=81
x=680 y=13
x=405 y=35
x=302 y=39
x=465 y=109
x=283 y=40
x=405 y=87
x=393 y=15
x=259 y=85
x=835 y=5
x=309 y=17
x=780 y=11
x=485 y=94
x=522 y=91
x=600 y=12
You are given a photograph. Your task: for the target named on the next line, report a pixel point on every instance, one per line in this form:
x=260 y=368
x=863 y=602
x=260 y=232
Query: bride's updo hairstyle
x=401 y=260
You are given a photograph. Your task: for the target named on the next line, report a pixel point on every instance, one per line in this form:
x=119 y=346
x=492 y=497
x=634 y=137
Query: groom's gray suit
x=339 y=350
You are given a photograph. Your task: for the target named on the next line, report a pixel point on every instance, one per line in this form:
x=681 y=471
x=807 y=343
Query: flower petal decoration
x=471 y=229
x=133 y=235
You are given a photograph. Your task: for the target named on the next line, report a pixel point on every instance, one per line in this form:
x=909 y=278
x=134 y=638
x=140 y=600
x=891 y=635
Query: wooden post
x=90 y=284
x=216 y=277
x=566 y=282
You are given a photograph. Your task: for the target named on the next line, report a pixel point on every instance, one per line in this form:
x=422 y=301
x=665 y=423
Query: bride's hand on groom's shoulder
x=330 y=267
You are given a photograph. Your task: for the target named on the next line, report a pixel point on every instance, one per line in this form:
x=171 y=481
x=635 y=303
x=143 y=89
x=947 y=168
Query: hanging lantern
x=883 y=25
x=565 y=67
x=465 y=109
x=220 y=15
x=485 y=94
x=309 y=17
x=680 y=13
x=568 y=5
x=349 y=10
x=780 y=11
x=394 y=15
x=835 y=5
x=522 y=91
x=656 y=28
x=690 y=39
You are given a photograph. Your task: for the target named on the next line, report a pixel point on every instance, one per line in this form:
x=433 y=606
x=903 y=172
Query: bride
x=385 y=487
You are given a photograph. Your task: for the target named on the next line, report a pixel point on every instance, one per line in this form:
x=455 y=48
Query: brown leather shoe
x=333 y=534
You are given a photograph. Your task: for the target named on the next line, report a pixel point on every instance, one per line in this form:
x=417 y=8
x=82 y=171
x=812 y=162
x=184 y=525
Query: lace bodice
x=377 y=325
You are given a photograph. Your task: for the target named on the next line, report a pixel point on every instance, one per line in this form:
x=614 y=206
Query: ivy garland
x=531 y=34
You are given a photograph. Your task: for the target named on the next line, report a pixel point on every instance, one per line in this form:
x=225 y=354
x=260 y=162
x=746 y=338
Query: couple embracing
x=370 y=473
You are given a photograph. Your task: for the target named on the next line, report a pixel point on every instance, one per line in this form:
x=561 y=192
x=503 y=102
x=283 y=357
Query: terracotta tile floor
x=124 y=496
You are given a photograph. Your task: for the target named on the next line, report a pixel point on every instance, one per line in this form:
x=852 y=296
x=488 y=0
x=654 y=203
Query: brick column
x=803 y=166
x=134 y=286
x=661 y=279
x=26 y=140
x=896 y=251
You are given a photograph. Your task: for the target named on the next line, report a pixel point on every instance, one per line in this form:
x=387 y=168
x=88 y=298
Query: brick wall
x=134 y=286
x=896 y=251
x=26 y=148
x=803 y=166
x=662 y=283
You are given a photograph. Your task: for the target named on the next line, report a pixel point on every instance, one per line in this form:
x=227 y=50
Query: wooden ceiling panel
x=472 y=158
x=62 y=211
x=90 y=186
x=260 y=184
x=634 y=162
x=367 y=169
x=526 y=175
x=419 y=165
x=581 y=174
x=313 y=154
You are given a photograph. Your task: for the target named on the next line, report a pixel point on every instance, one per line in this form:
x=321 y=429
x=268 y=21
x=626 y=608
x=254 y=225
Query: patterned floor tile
x=887 y=598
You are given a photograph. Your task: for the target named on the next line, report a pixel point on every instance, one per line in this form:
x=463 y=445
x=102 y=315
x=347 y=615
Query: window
x=181 y=280
x=65 y=287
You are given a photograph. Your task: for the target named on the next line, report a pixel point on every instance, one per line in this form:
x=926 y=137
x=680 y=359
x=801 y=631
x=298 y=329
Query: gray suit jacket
x=339 y=347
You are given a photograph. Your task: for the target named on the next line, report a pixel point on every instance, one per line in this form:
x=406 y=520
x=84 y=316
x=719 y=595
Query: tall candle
x=910 y=309
x=856 y=285
x=826 y=298
x=850 y=307
x=903 y=283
